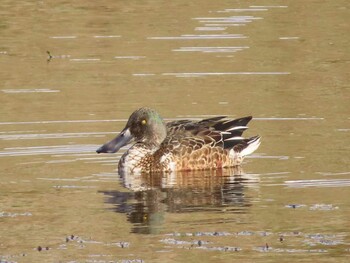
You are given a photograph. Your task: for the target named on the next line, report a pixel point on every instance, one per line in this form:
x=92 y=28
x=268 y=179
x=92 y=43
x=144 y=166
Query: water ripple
x=109 y=36
x=318 y=183
x=230 y=19
x=186 y=37
x=30 y=91
x=243 y=10
x=53 y=135
x=63 y=37
x=84 y=59
x=211 y=49
x=39 y=150
x=202 y=74
x=129 y=57
x=59 y=121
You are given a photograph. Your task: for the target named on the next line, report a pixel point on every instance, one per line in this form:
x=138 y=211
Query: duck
x=180 y=145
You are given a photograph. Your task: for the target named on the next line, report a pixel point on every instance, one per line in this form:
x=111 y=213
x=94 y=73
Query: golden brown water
x=284 y=62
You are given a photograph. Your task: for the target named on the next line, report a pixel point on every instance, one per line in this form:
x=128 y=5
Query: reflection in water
x=181 y=192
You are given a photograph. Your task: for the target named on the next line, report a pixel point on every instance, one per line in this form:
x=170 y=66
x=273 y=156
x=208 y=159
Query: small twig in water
x=49 y=57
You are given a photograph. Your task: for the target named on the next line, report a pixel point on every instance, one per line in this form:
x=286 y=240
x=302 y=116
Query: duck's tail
x=253 y=143
x=244 y=148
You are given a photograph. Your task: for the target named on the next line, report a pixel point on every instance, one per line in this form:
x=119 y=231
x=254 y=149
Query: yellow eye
x=143 y=122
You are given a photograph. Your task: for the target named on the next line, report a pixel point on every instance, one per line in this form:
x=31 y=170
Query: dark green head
x=147 y=126
x=144 y=125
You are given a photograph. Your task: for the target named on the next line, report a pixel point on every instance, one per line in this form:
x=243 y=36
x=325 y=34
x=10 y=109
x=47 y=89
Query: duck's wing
x=187 y=135
x=180 y=126
x=213 y=127
x=181 y=140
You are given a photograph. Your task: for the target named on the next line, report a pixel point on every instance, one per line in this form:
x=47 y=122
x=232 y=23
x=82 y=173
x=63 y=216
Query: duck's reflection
x=182 y=192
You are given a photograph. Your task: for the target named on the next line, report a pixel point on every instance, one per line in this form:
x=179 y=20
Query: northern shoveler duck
x=180 y=145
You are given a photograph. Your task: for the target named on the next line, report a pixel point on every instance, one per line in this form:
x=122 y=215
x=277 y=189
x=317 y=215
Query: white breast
x=131 y=160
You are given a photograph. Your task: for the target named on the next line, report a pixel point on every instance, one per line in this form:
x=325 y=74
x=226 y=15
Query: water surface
x=72 y=72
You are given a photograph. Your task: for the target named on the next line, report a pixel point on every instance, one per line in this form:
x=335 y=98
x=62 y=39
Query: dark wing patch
x=214 y=132
x=233 y=125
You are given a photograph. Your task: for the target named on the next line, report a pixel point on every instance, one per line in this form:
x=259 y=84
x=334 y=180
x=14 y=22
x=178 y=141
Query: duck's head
x=144 y=126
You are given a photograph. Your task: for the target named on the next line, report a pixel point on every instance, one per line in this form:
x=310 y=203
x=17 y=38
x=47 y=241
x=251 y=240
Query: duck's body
x=181 y=145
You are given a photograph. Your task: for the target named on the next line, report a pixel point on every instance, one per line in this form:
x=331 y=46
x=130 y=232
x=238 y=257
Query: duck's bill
x=114 y=145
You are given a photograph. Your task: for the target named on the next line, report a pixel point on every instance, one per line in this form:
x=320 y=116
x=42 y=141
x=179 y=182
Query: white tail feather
x=238 y=128
x=235 y=138
x=252 y=146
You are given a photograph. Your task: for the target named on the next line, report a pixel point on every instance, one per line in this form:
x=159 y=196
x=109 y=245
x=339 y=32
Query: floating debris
x=265 y=248
x=49 y=57
x=123 y=244
x=294 y=206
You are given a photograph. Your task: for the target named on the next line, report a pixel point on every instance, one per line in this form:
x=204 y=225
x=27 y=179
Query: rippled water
x=72 y=72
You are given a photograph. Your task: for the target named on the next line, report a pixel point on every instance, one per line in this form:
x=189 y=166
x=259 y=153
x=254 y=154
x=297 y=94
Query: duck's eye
x=143 y=122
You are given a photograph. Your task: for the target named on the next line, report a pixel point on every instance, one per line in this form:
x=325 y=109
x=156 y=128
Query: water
x=72 y=72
